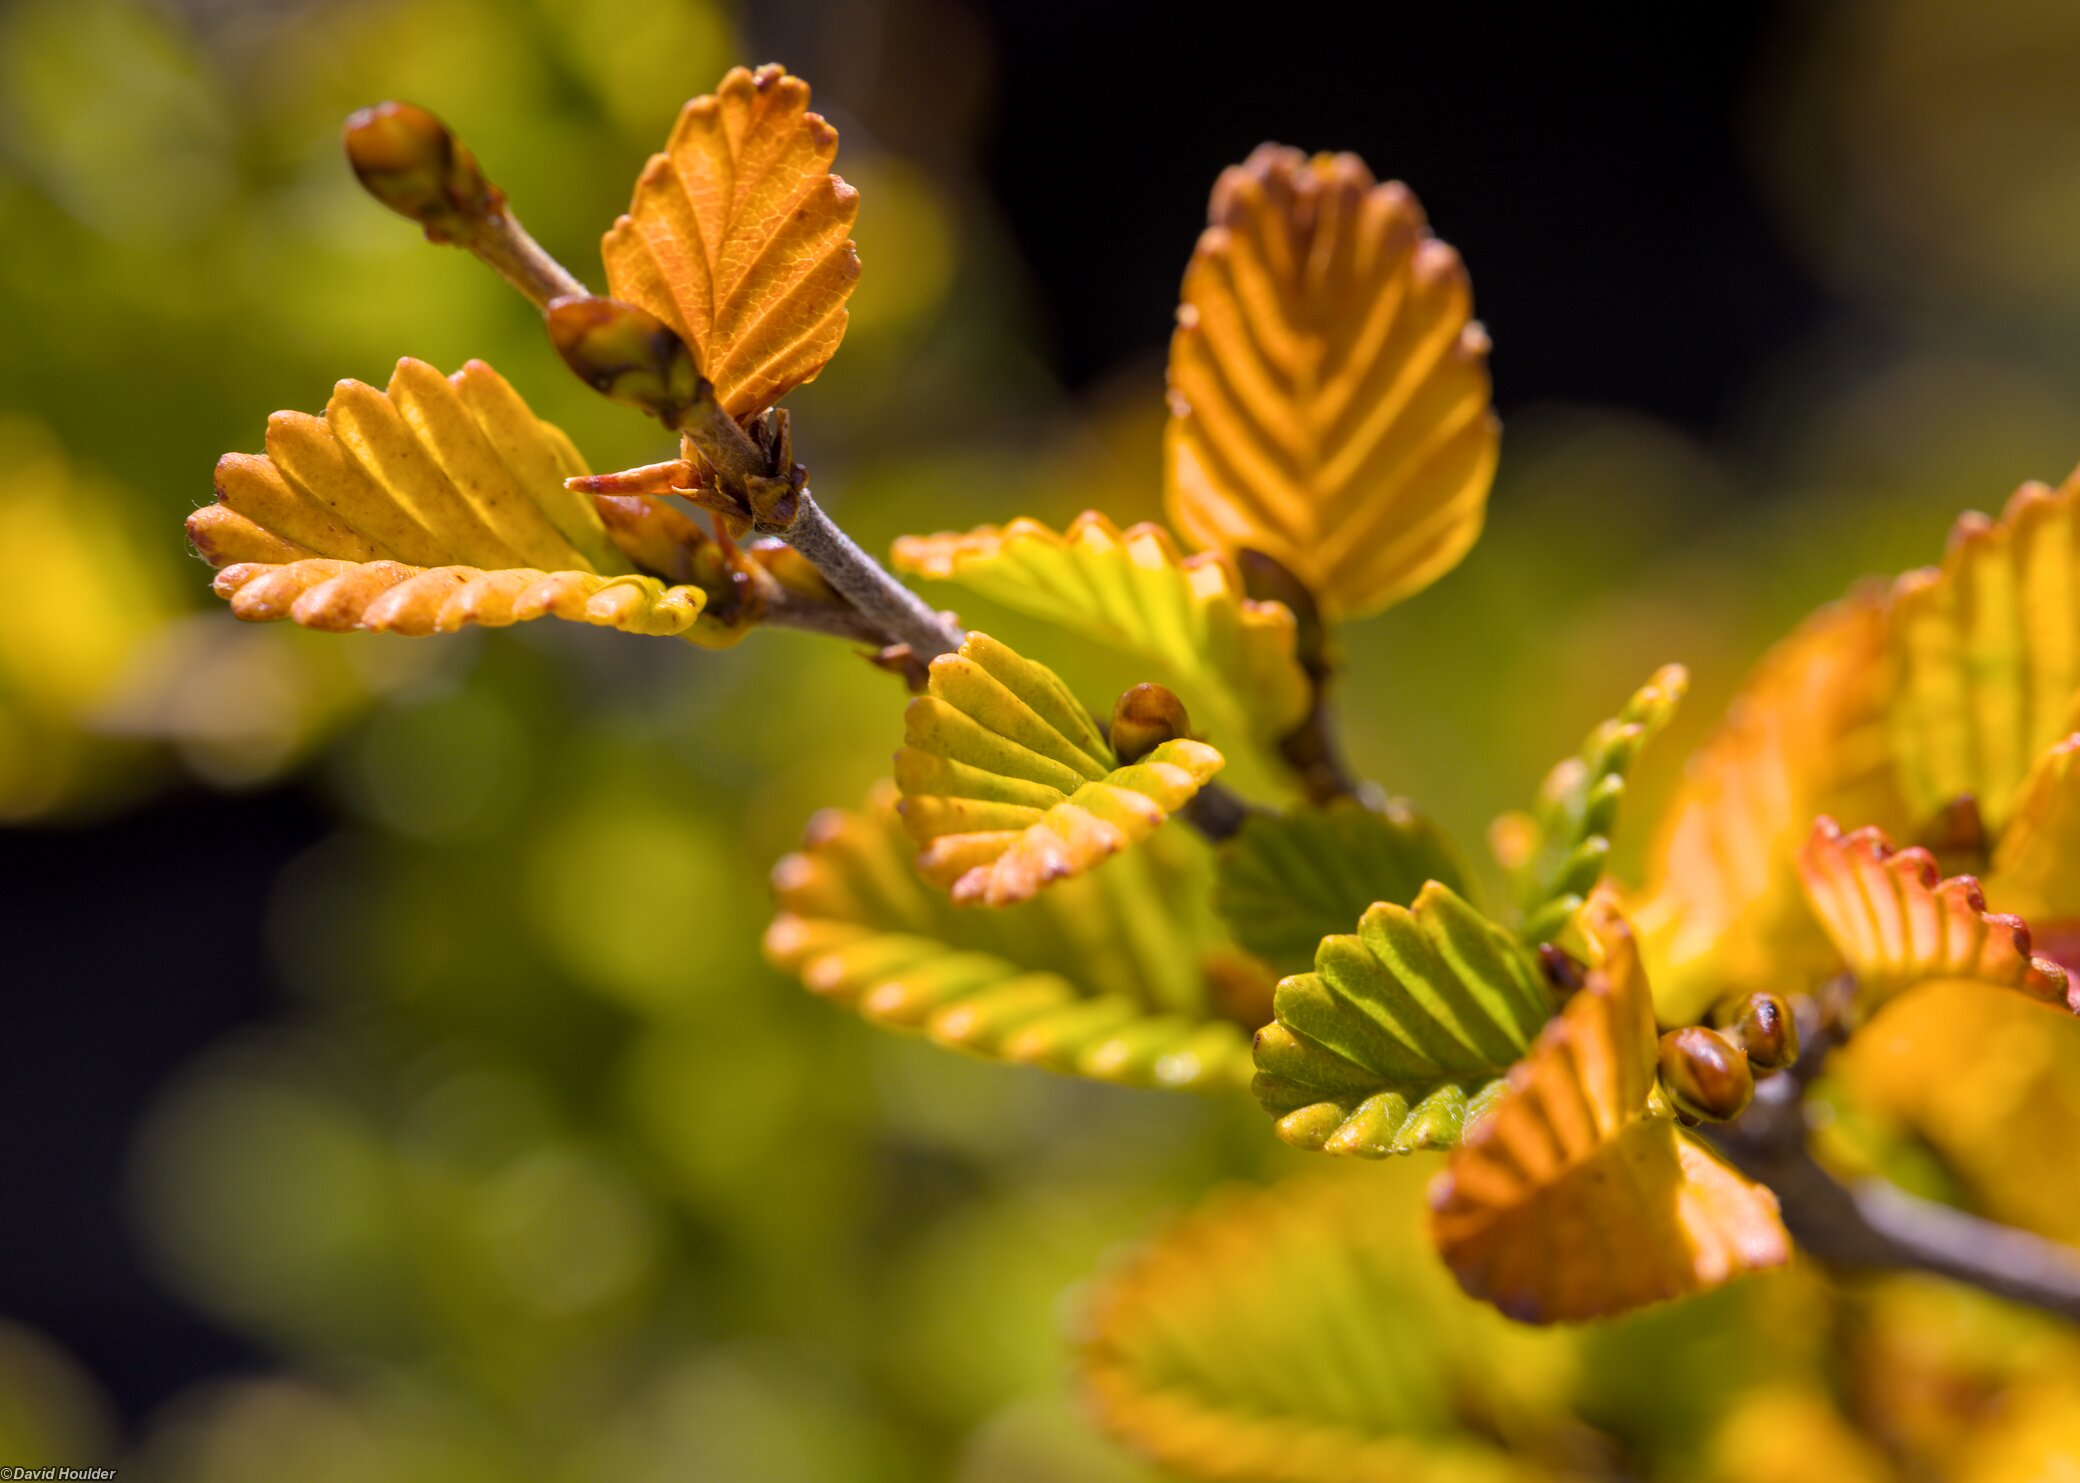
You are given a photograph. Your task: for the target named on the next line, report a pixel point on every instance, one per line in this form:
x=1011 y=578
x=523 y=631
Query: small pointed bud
x=1705 y=1074
x=1765 y=1028
x=1144 y=718
x=407 y=159
x=628 y=354
x=650 y=478
x=1268 y=580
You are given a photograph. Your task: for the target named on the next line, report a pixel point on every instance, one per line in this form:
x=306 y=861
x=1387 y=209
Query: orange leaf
x=1898 y=924
x=1806 y=735
x=1328 y=386
x=739 y=237
x=1573 y=1199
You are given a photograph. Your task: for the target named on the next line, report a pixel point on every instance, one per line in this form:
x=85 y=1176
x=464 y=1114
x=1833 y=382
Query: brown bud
x=1765 y=1028
x=1144 y=718
x=407 y=159
x=1563 y=971
x=626 y=353
x=1705 y=1074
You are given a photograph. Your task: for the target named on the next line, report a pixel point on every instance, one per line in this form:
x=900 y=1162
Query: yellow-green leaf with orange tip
x=1722 y=910
x=1400 y=1037
x=1288 y=880
x=1010 y=787
x=1328 y=384
x=1576 y=1197
x=1988 y=652
x=1898 y=923
x=436 y=503
x=1577 y=808
x=1301 y=1333
x=1186 y=618
x=739 y=238
x=1118 y=976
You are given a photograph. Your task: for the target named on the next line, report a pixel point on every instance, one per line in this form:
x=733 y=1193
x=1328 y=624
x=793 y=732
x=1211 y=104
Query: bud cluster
x=1709 y=1075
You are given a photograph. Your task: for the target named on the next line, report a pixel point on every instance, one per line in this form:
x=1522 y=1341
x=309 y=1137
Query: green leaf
x=1402 y=1033
x=1009 y=786
x=1306 y=1333
x=1569 y=835
x=1122 y=976
x=1289 y=880
x=1185 y=618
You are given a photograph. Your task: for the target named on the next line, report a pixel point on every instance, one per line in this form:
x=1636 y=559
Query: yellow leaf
x=1116 y=976
x=1328 y=386
x=739 y=237
x=431 y=505
x=1301 y=1334
x=1722 y=910
x=2037 y=1438
x=1791 y=1433
x=1185 y=616
x=1897 y=923
x=1009 y=786
x=1988 y=649
x=2036 y=866
x=1991 y=1082
x=1573 y=1199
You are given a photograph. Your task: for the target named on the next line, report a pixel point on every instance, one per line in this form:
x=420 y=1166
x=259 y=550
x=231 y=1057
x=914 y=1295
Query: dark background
x=1588 y=163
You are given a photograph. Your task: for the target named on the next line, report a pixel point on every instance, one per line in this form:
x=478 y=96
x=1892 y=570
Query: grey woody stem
x=1875 y=1226
x=900 y=614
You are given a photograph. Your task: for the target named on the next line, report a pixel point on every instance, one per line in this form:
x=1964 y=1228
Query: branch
x=898 y=612
x=1215 y=812
x=1876 y=1226
x=507 y=247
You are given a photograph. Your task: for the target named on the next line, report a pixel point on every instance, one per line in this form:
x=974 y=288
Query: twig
x=1311 y=750
x=1873 y=1225
x=898 y=612
x=1216 y=812
x=783 y=609
x=505 y=245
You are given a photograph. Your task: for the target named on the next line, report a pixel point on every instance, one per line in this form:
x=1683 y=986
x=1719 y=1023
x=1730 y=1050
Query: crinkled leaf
x=1722 y=910
x=1118 y=975
x=1184 y=617
x=1988 y=652
x=1289 y=880
x=433 y=504
x=1301 y=1333
x=1577 y=808
x=1572 y=1199
x=1328 y=386
x=1898 y=923
x=1009 y=786
x=2036 y=867
x=740 y=238
x=1401 y=1036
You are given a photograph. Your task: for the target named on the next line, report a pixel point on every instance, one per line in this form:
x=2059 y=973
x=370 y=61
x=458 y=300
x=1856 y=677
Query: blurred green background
x=396 y=1091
